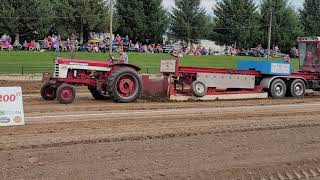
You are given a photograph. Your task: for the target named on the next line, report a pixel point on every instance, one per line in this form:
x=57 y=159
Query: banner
x=11 y=106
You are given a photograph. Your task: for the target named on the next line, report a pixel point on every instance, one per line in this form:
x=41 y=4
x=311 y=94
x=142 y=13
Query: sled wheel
x=198 y=89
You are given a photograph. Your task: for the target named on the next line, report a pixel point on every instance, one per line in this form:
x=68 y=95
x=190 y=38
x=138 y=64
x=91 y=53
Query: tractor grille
x=56 y=71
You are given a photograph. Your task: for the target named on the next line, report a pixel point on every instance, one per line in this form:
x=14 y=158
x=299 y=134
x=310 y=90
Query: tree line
x=240 y=22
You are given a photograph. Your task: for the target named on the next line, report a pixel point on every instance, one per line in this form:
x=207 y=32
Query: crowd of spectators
x=102 y=45
x=260 y=52
x=53 y=42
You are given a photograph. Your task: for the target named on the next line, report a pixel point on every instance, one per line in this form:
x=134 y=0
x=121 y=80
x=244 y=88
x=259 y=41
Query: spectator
x=158 y=49
x=145 y=48
x=73 y=42
x=25 y=45
x=5 y=42
x=121 y=44
x=95 y=49
x=197 y=52
x=102 y=47
x=55 y=43
x=204 y=51
x=178 y=53
x=88 y=47
x=32 y=45
x=45 y=44
x=136 y=47
x=50 y=43
x=126 y=41
x=37 y=45
x=108 y=43
x=130 y=44
x=141 y=48
x=63 y=46
x=73 y=37
x=6 y=45
x=191 y=51
x=17 y=44
x=118 y=40
x=3 y=37
x=287 y=58
x=150 y=48
x=9 y=39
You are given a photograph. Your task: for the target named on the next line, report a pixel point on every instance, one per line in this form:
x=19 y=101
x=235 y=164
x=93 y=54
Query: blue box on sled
x=265 y=67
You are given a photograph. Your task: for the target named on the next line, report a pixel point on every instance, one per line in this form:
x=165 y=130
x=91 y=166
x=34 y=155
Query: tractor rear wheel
x=297 y=88
x=125 y=85
x=66 y=94
x=99 y=95
x=278 y=89
x=48 y=91
x=198 y=89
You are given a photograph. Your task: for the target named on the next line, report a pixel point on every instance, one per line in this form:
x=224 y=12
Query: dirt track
x=248 y=139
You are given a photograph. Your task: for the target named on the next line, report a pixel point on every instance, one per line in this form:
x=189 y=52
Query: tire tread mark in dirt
x=290 y=171
x=163 y=136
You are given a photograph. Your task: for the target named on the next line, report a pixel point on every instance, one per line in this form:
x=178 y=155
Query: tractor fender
x=116 y=66
x=266 y=82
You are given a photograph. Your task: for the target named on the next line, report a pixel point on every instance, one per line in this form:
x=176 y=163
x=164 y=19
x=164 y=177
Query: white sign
x=280 y=68
x=168 y=66
x=11 y=106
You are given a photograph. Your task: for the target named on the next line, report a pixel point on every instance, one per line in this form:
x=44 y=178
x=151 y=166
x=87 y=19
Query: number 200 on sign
x=8 y=98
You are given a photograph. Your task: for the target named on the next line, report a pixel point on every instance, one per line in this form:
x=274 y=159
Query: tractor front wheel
x=66 y=94
x=48 y=91
x=125 y=85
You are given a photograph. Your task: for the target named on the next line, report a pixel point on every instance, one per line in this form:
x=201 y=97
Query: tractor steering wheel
x=112 y=58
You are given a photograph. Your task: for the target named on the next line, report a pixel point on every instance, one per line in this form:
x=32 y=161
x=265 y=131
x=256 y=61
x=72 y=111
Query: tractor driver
x=122 y=60
x=123 y=57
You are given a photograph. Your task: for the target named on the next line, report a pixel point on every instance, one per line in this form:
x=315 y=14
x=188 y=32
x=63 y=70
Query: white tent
x=211 y=45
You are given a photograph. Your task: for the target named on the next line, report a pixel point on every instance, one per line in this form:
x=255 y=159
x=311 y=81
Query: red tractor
x=104 y=79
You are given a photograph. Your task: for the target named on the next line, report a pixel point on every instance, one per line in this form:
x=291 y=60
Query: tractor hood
x=95 y=63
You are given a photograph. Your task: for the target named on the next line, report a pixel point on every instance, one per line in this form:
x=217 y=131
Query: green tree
x=236 y=21
x=285 y=23
x=131 y=18
x=81 y=17
x=156 y=21
x=141 y=20
x=310 y=17
x=189 y=21
x=65 y=19
x=26 y=18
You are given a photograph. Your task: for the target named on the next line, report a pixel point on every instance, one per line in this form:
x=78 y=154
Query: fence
x=22 y=70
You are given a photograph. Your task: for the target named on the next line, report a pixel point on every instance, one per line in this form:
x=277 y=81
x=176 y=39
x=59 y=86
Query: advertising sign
x=280 y=68
x=11 y=106
x=168 y=66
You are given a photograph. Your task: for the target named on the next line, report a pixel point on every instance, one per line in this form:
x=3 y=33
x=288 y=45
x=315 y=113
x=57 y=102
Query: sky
x=207 y=4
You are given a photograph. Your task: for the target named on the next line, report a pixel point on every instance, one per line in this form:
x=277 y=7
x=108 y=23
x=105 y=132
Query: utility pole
x=270 y=33
x=111 y=21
